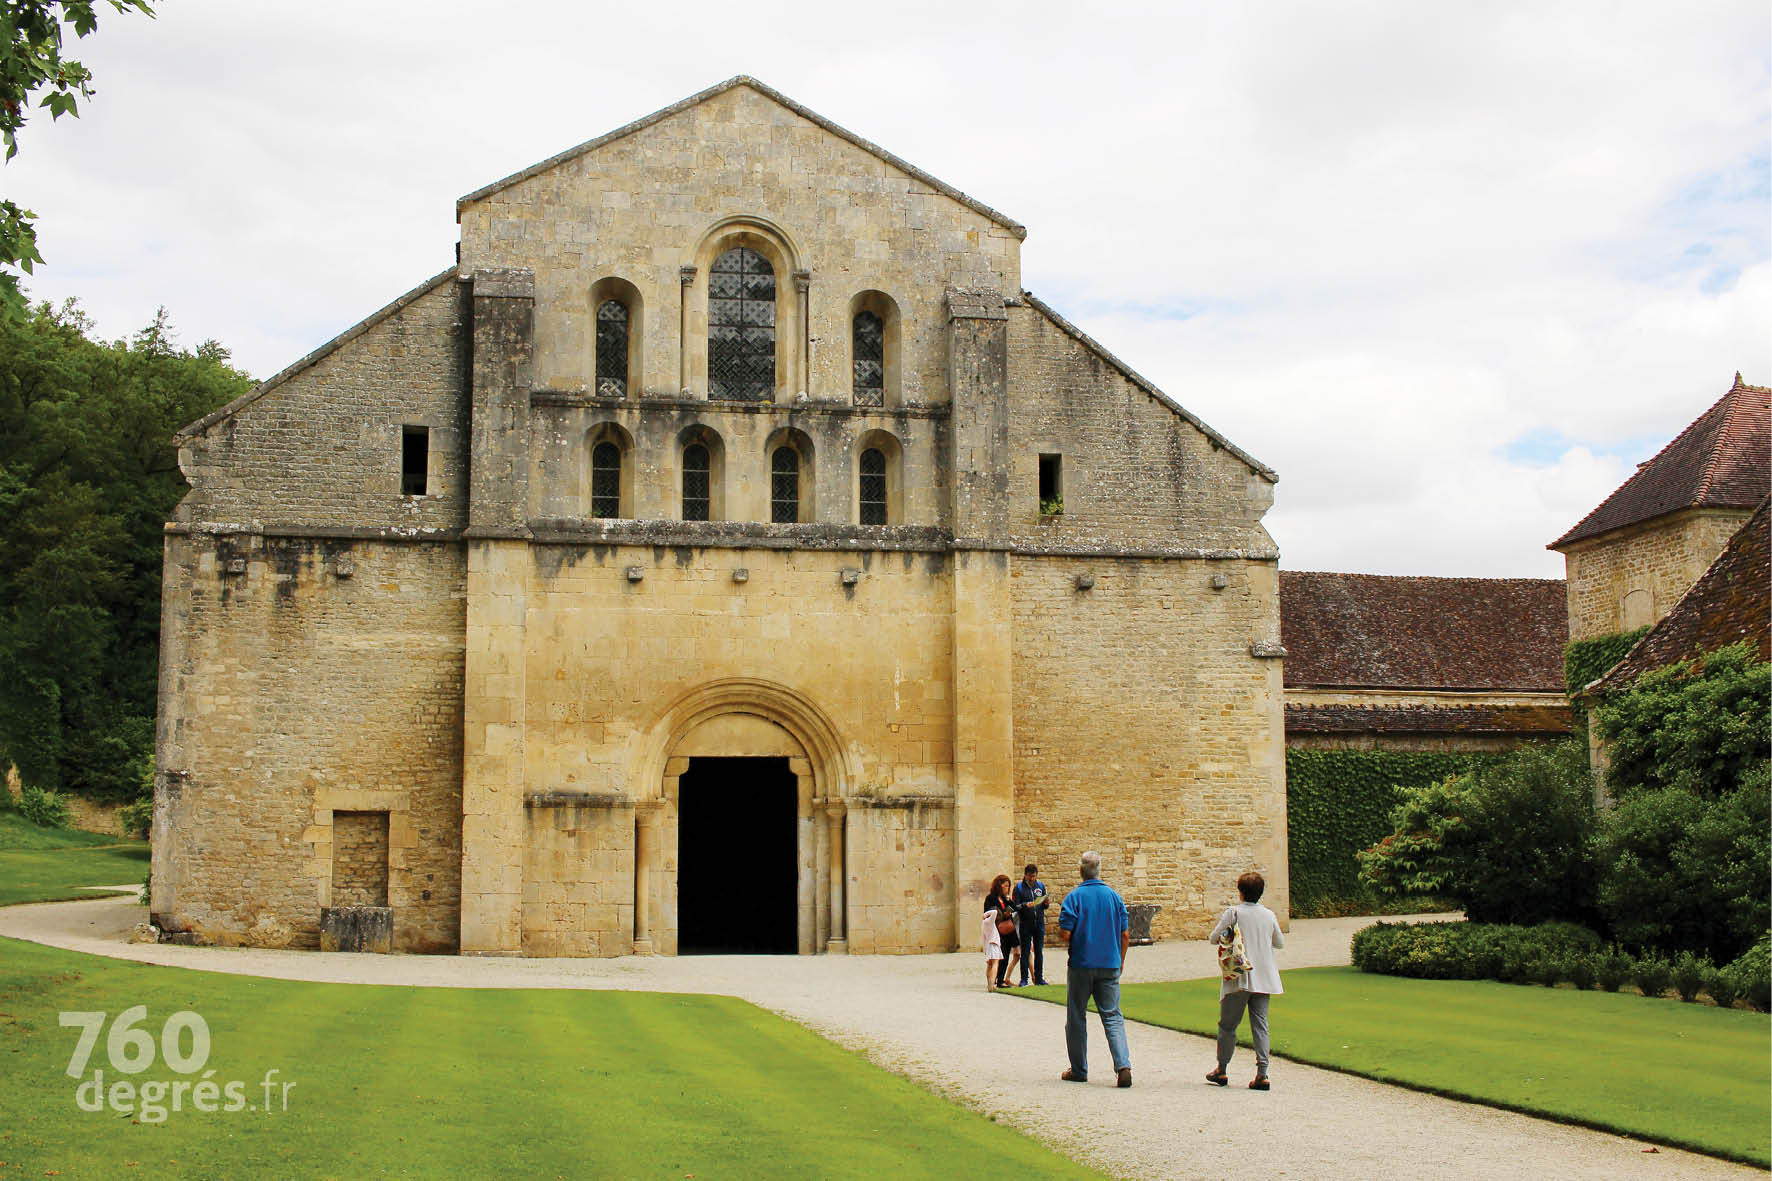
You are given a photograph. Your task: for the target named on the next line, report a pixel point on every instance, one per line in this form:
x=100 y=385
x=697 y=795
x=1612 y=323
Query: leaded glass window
x=696 y=499
x=606 y=480
x=784 y=486
x=612 y=349
x=873 y=487
x=741 y=327
x=869 y=347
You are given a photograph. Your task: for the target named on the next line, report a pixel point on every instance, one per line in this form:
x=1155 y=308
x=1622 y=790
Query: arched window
x=868 y=345
x=697 y=495
x=606 y=480
x=741 y=327
x=784 y=486
x=612 y=349
x=873 y=487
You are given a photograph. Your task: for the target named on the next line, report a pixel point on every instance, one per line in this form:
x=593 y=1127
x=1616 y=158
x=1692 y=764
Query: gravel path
x=929 y=1017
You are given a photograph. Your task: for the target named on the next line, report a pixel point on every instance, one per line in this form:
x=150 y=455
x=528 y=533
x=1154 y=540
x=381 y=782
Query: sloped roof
x=1727 y=604
x=1089 y=342
x=1425 y=719
x=320 y=354
x=1723 y=460
x=774 y=95
x=1377 y=631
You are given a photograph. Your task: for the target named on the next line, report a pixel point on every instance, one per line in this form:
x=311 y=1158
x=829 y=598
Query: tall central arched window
x=696 y=490
x=741 y=327
x=873 y=487
x=784 y=486
x=868 y=345
x=612 y=349
x=606 y=480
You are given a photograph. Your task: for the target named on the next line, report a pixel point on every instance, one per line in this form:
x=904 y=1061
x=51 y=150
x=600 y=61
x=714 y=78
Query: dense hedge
x=1339 y=802
x=1550 y=954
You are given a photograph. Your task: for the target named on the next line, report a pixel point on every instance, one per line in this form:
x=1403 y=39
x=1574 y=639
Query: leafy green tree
x=31 y=59
x=1700 y=725
x=88 y=477
x=1510 y=839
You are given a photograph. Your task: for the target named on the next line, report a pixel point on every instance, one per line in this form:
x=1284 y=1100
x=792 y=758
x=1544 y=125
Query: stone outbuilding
x=725 y=553
x=1377 y=662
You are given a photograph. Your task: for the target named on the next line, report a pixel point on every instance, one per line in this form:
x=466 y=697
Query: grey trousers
x=1230 y=1015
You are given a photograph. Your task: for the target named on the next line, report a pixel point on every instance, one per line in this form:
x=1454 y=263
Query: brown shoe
x=1125 y=1073
x=1218 y=1079
x=1258 y=1083
x=1071 y=1076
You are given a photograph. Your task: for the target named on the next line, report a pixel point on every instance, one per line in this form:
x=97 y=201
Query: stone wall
x=1144 y=729
x=578 y=885
x=901 y=868
x=324 y=677
x=359 y=859
x=321 y=444
x=1632 y=577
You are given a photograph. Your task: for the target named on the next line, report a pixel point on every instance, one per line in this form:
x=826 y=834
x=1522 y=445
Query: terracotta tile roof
x=1729 y=603
x=1723 y=460
x=1412 y=719
x=1374 y=631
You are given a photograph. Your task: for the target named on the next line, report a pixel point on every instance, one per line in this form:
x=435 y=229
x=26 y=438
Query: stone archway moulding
x=792 y=711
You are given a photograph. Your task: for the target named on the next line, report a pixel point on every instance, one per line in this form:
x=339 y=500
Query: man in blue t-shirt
x=1093 y=922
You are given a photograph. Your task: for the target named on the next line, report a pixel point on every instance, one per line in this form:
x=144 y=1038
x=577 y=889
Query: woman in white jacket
x=1248 y=990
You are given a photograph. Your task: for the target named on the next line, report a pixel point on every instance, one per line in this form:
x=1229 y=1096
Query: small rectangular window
x=1051 y=485
x=415 y=459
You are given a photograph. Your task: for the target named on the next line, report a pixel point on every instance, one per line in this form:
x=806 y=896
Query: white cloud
x=1377 y=244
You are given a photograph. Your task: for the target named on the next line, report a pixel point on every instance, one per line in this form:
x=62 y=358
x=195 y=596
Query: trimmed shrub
x=1475 y=951
x=1581 y=970
x=1612 y=969
x=1752 y=974
x=136 y=818
x=1652 y=975
x=1689 y=972
x=46 y=809
x=1720 y=983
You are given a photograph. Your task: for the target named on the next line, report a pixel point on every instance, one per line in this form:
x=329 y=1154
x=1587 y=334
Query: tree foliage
x=1509 y=839
x=1700 y=725
x=88 y=478
x=31 y=60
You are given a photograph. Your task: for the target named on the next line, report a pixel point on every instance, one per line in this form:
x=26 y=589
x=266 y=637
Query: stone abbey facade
x=726 y=553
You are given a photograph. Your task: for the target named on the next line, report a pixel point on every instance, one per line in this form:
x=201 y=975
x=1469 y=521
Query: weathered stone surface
x=357 y=928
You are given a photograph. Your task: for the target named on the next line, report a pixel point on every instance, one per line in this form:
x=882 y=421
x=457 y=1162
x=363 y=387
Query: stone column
x=645 y=861
x=803 y=286
x=983 y=693
x=835 y=811
x=685 y=280
x=806 y=858
x=493 y=832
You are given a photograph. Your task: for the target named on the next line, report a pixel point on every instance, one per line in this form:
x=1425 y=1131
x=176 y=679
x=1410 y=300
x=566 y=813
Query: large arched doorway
x=740 y=825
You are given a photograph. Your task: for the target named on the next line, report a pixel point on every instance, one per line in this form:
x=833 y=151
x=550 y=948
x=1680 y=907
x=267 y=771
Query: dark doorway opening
x=736 y=854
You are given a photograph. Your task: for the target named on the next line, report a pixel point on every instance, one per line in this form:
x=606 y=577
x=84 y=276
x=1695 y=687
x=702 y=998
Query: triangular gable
x=1094 y=346
x=773 y=95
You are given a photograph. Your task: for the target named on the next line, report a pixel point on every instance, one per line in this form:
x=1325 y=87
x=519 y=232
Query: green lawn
x=50 y=864
x=491 y=1082
x=1689 y=1075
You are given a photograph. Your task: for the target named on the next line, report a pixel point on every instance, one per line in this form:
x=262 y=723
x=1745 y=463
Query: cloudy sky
x=1453 y=270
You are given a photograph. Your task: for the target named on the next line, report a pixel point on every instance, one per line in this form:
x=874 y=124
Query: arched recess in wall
x=702 y=472
x=608 y=486
x=1636 y=609
x=782 y=442
x=873 y=312
x=833 y=775
x=616 y=370
x=877 y=481
x=778 y=251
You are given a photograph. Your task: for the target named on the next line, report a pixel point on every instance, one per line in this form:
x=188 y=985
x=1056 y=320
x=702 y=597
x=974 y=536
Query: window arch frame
x=702 y=435
x=611 y=434
x=891 y=450
x=791 y=286
x=613 y=288
x=879 y=304
x=800 y=443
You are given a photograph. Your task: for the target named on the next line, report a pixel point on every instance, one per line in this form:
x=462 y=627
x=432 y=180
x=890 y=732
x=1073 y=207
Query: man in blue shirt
x=1030 y=900
x=1093 y=922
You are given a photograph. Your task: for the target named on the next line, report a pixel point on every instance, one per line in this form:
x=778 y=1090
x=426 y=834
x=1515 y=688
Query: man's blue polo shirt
x=1095 y=916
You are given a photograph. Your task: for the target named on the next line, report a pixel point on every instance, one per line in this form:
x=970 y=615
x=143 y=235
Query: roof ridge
x=1737 y=408
x=769 y=92
x=1089 y=342
x=1423 y=577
